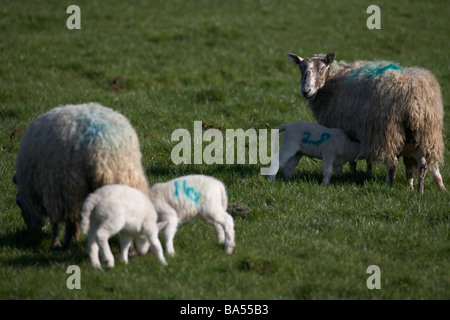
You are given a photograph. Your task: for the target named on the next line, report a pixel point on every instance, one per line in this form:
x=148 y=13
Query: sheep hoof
x=163 y=262
x=56 y=243
x=97 y=266
x=56 y=247
x=66 y=247
x=171 y=253
x=229 y=249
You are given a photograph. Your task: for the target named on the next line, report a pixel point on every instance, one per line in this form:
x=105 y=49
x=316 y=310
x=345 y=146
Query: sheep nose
x=306 y=92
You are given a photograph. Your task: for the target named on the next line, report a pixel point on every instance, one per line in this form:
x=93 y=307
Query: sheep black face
x=314 y=72
x=30 y=218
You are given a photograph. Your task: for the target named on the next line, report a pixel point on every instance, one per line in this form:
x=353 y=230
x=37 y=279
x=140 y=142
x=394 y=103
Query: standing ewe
x=117 y=208
x=182 y=199
x=316 y=141
x=386 y=107
x=69 y=152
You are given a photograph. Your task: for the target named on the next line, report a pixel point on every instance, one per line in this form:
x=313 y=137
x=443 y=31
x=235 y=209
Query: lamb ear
x=330 y=57
x=294 y=58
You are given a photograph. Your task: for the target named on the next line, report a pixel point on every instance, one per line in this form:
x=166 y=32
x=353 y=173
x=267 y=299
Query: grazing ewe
x=182 y=199
x=117 y=208
x=68 y=153
x=316 y=141
x=384 y=106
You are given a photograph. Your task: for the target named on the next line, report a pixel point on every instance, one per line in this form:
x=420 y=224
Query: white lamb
x=182 y=199
x=315 y=141
x=118 y=208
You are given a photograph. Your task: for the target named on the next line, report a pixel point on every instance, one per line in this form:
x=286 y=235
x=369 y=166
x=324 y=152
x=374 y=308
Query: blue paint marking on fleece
x=93 y=126
x=93 y=129
x=189 y=192
x=379 y=70
x=370 y=71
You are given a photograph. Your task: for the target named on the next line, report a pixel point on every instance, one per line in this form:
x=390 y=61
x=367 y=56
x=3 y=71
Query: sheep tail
x=88 y=206
x=283 y=127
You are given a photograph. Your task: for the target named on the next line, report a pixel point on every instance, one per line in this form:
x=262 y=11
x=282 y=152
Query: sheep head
x=314 y=72
x=31 y=218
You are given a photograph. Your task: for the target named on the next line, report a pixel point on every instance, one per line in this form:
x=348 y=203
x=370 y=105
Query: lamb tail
x=282 y=127
x=88 y=206
x=361 y=155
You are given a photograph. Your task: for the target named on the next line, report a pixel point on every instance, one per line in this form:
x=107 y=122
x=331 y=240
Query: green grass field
x=166 y=64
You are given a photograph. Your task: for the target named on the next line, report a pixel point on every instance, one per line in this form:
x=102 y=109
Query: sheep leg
x=102 y=237
x=290 y=162
x=125 y=244
x=229 y=233
x=56 y=243
x=369 y=170
x=71 y=230
x=391 y=172
x=220 y=232
x=352 y=167
x=151 y=232
x=437 y=177
x=226 y=221
x=169 y=233
x=338 y=170
x=93 y=249
x=327 y=171
x=421 y=172
x=410 y=167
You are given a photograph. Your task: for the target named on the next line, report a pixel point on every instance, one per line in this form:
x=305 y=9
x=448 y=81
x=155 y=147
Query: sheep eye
x=322 y=69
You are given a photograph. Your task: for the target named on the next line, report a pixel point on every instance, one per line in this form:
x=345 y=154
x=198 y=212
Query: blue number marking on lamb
x=190 y=192
x=324 y=137
x=176 y=184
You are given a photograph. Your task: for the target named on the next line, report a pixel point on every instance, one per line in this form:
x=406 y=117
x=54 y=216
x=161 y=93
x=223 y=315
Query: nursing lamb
x=388 y=108
x=316 y=141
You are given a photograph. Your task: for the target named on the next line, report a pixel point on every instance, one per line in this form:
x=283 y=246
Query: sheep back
x=384 y=106
x=71 y=151
x=190 y=194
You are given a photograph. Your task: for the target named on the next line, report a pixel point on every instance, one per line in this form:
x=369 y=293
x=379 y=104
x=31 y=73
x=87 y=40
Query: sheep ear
x=330 y=57
x=294 y=58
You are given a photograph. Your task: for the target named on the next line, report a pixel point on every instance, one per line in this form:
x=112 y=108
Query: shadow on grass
x=23 y=238
x=156 y=172
x=359 y=178
x=31 y=247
